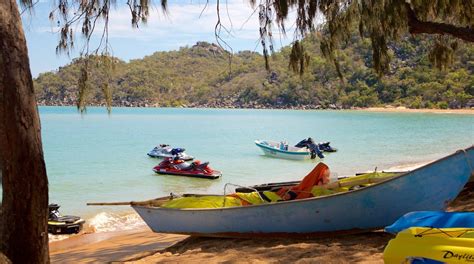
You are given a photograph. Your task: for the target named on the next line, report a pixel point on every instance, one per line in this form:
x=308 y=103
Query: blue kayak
x=435 y=219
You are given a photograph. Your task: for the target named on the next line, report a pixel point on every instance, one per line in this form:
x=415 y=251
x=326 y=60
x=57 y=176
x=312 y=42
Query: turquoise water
x=99 y=157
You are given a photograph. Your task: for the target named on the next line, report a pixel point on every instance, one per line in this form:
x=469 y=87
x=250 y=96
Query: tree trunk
x=24 y=236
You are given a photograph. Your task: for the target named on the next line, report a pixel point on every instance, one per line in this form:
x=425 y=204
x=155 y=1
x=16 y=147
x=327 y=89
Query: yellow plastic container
x=448 y=245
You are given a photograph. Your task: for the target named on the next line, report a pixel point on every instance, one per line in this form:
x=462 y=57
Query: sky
x=183 y=25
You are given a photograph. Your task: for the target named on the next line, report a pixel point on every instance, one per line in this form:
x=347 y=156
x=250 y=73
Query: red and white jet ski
x=173 y=166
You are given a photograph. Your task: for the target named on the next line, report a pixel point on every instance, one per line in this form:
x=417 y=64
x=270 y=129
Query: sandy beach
x=144 y=246
x=111 y=247
x=409 y=110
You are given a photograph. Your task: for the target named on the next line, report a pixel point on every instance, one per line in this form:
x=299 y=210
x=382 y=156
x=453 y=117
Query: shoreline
x=385 y=109
x=408 y=110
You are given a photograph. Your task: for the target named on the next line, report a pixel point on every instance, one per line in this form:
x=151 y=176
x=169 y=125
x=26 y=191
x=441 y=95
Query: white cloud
x=185 y=23
x=186 y=19
x=191 y=21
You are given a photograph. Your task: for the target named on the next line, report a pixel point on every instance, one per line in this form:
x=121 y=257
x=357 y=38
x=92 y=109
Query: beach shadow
x=339 y=249
x=464 y=201
x=118 y=249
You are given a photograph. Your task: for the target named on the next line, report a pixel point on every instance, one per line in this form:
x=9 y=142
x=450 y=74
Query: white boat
x=166 y=151
x=282 y=150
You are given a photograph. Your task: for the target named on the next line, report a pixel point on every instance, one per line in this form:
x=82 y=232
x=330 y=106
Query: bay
x=97 y=157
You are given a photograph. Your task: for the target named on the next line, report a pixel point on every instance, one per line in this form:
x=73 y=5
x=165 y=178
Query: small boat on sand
x=166 y=151
x=375 y=205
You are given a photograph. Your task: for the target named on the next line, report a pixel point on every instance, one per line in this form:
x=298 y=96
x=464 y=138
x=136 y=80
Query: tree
x=23 y=227
x=381 y=21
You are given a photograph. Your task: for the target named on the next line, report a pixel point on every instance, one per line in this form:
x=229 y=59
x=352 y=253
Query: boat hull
x=282 y=154
x=430 y=187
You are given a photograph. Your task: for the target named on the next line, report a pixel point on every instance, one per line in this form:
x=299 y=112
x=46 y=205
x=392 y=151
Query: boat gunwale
x=311 y=199
x=306 y=153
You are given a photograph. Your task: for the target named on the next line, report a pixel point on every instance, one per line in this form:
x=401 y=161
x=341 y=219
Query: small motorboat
x=63 y=224
x=176 y=166
x=166 y=151
x=305 y=149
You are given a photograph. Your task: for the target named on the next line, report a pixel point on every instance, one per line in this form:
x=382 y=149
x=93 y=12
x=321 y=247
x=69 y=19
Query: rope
x=440 y=231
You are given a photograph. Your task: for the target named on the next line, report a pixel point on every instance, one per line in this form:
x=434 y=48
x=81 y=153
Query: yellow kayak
x=447 y=245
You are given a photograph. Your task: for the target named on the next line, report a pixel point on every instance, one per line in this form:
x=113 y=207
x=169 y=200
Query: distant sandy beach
x=144 y=246
x=408 y=110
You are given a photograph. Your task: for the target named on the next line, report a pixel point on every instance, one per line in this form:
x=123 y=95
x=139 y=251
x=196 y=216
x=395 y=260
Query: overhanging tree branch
x=415 y=26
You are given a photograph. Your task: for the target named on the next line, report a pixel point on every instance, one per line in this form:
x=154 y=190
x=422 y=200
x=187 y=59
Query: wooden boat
x=276 y=150
x=430 y=187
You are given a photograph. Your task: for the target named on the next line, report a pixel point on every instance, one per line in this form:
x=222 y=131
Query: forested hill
x=201 y=76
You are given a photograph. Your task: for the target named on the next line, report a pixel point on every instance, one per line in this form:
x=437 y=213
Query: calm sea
x=98 y=157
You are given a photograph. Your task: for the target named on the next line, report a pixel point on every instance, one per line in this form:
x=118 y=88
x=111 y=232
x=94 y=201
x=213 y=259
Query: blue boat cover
x=436 y=219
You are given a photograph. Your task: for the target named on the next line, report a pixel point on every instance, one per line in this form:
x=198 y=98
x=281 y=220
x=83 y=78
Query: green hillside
x=201 y=76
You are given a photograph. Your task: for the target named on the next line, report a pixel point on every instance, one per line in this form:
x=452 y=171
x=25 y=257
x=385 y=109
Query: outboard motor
x=315 y=151
x=305 y=143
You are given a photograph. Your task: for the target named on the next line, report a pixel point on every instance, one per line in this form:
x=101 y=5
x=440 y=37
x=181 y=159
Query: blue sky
x=181 y=26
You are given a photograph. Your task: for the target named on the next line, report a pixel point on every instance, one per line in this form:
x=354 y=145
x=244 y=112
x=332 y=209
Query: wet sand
x=144 y=246
x=408 y=110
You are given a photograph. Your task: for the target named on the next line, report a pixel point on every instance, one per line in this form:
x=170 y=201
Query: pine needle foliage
x=382 y=22
x=299 y=58
x=88 y=14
